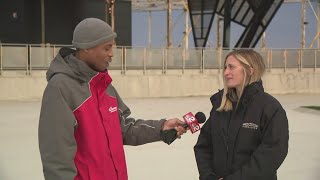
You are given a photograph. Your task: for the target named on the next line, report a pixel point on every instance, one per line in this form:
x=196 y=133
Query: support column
x=187 y=28
x=43 y=25
x=149 y=29
x=227 y=23
x=303 y=19
x=318 y=39
x=263 y=40
x=219 y=31
x=112 y=15
x=169 y=42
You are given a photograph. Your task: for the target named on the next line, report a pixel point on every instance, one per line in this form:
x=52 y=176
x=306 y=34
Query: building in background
x=53 y=21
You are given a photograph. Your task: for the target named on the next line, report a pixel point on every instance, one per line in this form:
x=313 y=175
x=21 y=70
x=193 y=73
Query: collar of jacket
x=80 y=70
x=250 y=91
x=85 y=73
x=247 y=96
x=216 y=99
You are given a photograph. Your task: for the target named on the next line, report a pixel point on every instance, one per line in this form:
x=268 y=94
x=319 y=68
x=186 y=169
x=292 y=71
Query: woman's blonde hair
x=250 y=61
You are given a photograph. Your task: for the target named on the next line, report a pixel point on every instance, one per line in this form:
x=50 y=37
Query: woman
x=246 y=136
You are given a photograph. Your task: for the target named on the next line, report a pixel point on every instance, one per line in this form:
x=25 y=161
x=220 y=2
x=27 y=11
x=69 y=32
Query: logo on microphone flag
x=192 y=122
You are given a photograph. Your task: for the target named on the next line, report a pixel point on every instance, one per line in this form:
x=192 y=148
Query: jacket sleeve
x=273 y=149
x=56 y=136
x=204 y=152
x=137 y=131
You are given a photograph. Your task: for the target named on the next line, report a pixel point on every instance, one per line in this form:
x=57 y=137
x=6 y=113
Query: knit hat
x=91 y=32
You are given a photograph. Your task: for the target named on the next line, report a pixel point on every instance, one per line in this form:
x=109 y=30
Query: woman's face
x=233 y=73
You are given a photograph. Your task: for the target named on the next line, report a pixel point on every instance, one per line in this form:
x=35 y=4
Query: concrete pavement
x=20 y=159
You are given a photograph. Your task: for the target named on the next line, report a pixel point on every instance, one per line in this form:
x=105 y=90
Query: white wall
x=16 y=85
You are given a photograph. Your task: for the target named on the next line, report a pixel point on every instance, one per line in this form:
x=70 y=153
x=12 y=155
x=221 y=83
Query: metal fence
x=32 y=57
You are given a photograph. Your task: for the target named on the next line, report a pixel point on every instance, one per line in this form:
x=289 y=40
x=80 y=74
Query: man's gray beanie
x=91 y=32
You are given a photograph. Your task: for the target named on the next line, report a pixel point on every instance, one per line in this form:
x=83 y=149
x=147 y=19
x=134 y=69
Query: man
x=83 y=121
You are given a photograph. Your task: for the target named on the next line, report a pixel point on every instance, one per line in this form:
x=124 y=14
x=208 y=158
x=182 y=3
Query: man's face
x=99 y=57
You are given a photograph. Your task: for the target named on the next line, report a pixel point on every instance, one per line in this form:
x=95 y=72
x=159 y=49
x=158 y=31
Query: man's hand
x=176 y=124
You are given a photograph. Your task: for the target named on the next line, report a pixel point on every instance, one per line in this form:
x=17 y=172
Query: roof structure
x=254 y=15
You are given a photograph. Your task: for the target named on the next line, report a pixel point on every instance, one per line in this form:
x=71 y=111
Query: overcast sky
x=284 y=31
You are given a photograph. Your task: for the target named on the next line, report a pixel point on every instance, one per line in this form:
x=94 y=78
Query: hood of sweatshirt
x=65 y=62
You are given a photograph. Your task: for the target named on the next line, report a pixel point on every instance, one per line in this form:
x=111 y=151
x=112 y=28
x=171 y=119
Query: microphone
x=192 y=122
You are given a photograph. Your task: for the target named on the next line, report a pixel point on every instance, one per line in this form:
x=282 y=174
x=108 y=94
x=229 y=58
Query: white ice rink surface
x=20 y=159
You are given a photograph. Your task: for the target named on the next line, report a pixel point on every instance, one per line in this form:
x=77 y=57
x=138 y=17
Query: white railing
x=33 y=57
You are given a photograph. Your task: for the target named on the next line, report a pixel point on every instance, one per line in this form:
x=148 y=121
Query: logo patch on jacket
x=112 y=109
x=250 y=126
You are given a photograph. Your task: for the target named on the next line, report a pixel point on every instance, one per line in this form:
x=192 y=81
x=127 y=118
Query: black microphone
x=192 y=122
x=201 y=117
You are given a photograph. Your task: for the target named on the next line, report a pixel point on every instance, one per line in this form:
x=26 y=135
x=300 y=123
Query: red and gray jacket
x=84 y=124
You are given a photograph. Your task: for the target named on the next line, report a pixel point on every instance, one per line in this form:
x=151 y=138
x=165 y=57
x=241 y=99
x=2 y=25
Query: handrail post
x=27 y=55
x=163 y=61
x=271 y=59
x=315 y=60
x=125 y=60
x=268 y=59
x=30 y=61
x=144 y=60
x=301 y=60
x=183 y=60
x=285 y=59
x=1 y=59
x=122 y=60
x=219 y=58
x=202 y=60
x=54 y=51
x=299 y=57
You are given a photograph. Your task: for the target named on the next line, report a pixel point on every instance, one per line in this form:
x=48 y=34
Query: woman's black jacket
x=248 y=143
